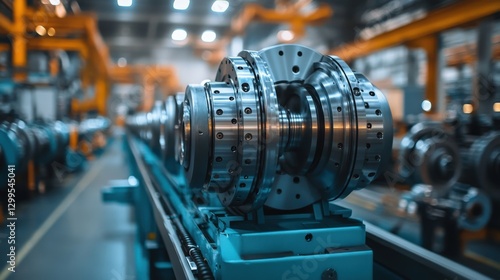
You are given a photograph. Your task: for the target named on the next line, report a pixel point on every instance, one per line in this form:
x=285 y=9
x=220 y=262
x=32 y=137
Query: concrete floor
x=69 y=233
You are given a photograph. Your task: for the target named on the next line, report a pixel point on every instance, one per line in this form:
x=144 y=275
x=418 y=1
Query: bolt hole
x=380 y=135
x=378 y=157
x=280 y=53
x=240 y=68
x=296 y=180
x=336 y=164
x=248 y=110
x=309 y=237
x=231 y=98
x=378 y=112
x=216 y=176
x=340 y=145
x=279 y=191
x=371 y=174
x=218 y=159
x=242 y=185
x=367 y=105
x=216 y=91
x=299 y=53
x=339 y=109
x=245 y=87
x=372 y=93
x=200 y=132
x=219 y=135
x=356 y=91
x=297 y=196
x=234 y=121
x=295 y=69
x=369 y=125
x=233 y=149
x=248 y=136
x=248 y=161
x=219 y=112
x=356 y=176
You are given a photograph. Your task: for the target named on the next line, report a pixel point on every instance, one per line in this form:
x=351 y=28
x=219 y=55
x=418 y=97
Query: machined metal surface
x=285 y=127
x=169 y=129
x=431 y=156
x=483 y=159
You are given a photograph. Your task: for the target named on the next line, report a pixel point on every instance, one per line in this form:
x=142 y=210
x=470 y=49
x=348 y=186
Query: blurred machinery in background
x=42 y=149
x=264 y=151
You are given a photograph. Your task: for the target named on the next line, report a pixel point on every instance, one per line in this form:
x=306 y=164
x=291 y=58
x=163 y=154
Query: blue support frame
x=324 y=243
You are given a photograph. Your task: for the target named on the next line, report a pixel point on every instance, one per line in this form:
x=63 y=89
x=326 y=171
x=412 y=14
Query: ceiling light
x=179 y=35
x=51 y=31
x=124 y=3
x=40 y=30
x=181 y=4
x=496 y=107
x=426 y=105
x=122 y=62
x=467 y=108
x=208 y=36
x=55 y=2
x=285 y=35
x=60 y=11
x=220 y=6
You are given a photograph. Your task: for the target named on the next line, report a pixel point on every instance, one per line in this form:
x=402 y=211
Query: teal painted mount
x=318 y=242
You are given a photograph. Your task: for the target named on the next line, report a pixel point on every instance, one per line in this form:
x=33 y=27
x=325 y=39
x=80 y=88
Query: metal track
x=164 y=222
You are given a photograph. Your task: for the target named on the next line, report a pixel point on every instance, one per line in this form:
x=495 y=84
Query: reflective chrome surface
x=285 y=127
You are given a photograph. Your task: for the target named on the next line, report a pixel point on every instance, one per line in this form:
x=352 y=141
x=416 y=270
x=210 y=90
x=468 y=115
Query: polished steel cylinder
x=285 y=127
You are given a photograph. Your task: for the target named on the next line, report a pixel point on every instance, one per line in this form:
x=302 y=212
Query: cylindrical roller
x=429 y=155
x=170 y=126
x=482 y=160
x=285 y=127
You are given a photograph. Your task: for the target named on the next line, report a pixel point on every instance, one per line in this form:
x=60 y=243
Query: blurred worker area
x=238 y=139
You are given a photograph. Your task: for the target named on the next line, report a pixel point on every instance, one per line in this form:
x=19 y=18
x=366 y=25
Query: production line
x=238 y=215
x=33 y=148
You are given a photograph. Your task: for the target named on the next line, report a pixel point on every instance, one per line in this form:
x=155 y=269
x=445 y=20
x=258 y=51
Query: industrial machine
x=265 y=152
x=39 y=148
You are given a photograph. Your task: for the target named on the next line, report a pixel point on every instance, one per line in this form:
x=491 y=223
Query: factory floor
x=69 y=233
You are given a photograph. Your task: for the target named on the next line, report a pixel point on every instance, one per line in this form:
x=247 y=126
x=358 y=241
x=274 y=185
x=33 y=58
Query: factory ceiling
x=145 y=27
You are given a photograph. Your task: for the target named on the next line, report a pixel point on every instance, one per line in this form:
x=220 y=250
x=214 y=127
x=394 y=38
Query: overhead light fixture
x=426 y=105
x=496 y=107
x=40 y=30
x=122 y=62
x=179 y=35
x=55 y=2
x=51 y=31
x=220 y=6
x=467 y=108
x=285 y=35
x=124 y=3
x=208 y=36
x=181 y=4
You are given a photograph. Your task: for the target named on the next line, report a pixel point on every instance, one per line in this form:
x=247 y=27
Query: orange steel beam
x=5 y=24
x=150 y=77
x=454 y=15
x=47 y=43
x=290 y=14
x=466 y=54
x=95 y=50
x=19 y=42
